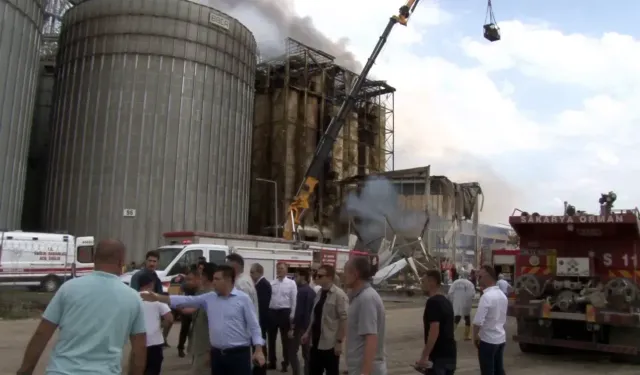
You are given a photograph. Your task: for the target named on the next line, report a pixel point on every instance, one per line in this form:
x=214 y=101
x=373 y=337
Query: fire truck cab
x=577 y=282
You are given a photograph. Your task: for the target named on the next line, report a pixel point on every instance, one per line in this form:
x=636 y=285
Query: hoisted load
x=491 y=29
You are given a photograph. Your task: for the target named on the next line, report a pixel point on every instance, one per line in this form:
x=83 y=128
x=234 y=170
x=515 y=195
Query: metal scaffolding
x=53 y=12
x=297 y=94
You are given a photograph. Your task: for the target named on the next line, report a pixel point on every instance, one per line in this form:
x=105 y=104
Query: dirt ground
x=404 y=340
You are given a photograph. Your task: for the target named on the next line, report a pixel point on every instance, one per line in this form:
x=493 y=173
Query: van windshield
x=84 y=254
x=167 y=255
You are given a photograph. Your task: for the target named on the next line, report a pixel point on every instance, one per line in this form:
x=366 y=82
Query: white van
x=43 y=260
x=175 y=259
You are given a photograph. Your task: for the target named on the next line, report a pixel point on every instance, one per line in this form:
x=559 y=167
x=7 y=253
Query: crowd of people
x=246 y=313
x=232 y=318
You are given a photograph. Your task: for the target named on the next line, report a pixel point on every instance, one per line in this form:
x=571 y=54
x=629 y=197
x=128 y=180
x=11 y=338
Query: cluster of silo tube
x=142 y=110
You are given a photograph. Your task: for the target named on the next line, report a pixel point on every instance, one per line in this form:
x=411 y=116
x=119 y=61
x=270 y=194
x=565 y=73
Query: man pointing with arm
x=233 y=324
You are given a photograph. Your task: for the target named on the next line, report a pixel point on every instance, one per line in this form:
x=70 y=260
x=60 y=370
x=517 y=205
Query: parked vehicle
x=334 y=255
x=577 y=281
x=185 y=248
x=175 y=259
x=43 y=260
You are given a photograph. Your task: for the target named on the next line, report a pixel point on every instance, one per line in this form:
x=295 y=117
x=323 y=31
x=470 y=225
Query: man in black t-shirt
x=439 y=353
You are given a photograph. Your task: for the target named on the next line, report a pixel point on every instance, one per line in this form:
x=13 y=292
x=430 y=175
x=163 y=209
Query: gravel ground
x=404 y=340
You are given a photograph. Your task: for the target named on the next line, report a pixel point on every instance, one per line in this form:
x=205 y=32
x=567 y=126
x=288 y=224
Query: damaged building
x=296 y=97
x=402 y=208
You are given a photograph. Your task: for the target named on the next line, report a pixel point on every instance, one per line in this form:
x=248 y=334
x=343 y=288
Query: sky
x=543 y=116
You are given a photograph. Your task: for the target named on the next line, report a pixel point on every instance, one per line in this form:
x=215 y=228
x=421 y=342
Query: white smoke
x=380 y=212
x=500 y=196
x=272 y=21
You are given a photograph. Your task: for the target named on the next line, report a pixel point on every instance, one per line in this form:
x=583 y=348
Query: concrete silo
x=20 y=35
x=152 y=121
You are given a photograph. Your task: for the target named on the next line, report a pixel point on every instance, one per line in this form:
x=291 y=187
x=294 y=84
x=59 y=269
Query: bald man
x=96 y=314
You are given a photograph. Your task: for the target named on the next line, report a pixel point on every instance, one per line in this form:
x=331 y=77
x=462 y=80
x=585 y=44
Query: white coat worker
x=503 y=285
x=461 y=293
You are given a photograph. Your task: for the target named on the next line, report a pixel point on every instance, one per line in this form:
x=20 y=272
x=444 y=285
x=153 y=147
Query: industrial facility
x=129 y=119
x=296 y=97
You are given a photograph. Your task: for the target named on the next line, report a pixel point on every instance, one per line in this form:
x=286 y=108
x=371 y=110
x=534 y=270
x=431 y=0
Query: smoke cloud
x=500 y=196
x=380 y=213
x=272 y=21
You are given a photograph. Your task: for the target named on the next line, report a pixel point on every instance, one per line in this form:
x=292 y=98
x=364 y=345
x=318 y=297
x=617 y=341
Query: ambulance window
x=186 y=260
x=217 y=256
x=84 y=254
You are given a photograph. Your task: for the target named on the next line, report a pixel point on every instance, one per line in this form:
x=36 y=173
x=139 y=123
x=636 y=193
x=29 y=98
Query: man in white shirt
x=488 y=324
x=503 y=285
x=282 y=307
x=156 y=314
x=243 y=281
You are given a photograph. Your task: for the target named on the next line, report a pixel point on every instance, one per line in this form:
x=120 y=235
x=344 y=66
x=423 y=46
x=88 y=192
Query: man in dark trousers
x=328 y=324
x=281 y=309
x=438 y=355
x=189 y=288
x=488 y=324
x=301 y=321
x=263 y=288
x=234 y=330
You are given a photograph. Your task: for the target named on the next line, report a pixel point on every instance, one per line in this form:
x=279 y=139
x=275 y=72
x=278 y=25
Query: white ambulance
x=43 y=260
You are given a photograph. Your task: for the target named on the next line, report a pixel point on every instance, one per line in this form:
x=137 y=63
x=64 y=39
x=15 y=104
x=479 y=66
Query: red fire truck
x=577 y=283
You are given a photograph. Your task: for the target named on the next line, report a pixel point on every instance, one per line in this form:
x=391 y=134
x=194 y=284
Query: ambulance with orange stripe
x=577 y=280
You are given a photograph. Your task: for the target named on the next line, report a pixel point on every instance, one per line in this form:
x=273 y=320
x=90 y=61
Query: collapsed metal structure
x=414 y=213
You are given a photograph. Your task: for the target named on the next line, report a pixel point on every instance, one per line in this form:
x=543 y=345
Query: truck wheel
x=530 y=348
x=627 y=359
x=50 y=284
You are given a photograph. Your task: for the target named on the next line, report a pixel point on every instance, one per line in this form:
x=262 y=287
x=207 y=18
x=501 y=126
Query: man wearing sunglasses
x=328 y=326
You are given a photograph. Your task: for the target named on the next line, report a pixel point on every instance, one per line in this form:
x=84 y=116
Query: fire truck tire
x=531 y=348
x=627 y=359
x=50 y=284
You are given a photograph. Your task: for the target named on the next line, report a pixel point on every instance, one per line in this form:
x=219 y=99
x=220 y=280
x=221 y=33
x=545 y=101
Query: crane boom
x=300 y=202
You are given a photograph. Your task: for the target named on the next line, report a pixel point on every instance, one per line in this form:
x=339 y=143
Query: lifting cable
x=490 y=18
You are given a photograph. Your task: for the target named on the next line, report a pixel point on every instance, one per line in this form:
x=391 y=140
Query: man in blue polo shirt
x=96 y=315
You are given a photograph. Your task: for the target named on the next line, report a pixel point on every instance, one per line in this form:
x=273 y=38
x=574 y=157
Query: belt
x=235 y=349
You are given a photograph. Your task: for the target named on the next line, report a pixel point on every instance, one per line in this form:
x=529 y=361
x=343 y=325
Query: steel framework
x=53 y=12
x=296 y=96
